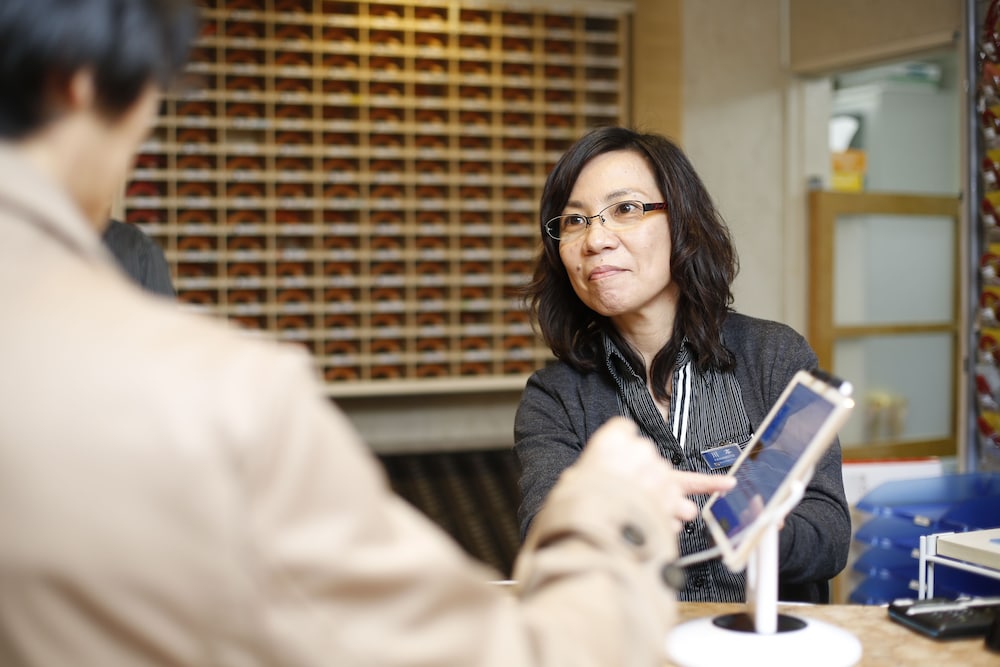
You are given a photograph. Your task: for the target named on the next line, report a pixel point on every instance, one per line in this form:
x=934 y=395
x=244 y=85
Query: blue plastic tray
x=972 y=514
x=927 y=501
x=893 y=532
x=873 y=590
x=899 y=570
x=963 y=583
x=887 y=563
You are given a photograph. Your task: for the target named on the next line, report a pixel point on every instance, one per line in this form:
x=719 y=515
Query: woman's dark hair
x=128 y=44
x=703 y=263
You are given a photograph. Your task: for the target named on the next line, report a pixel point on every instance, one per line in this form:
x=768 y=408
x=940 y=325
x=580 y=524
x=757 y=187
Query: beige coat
x=173 y=492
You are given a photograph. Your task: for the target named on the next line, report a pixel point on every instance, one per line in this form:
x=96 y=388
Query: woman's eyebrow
x=611 y=197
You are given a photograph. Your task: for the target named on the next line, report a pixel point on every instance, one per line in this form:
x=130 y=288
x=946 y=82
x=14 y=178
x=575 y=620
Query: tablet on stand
x=772 y=474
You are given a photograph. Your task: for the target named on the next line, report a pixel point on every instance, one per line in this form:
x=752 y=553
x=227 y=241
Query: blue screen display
x=761 y=473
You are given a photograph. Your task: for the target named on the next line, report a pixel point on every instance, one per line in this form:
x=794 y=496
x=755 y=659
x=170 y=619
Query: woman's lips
x=603 y=272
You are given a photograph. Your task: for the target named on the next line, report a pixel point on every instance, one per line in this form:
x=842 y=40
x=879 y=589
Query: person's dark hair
x=128 y=44
x=703 y=263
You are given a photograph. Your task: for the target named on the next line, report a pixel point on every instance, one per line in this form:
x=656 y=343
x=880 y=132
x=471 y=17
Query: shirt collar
x=620 y=368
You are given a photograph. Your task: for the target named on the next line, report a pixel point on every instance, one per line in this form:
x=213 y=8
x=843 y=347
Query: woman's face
x=620 y=274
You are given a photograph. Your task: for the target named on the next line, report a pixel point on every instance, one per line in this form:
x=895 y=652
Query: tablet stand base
x=708 y=642
x=761 y=636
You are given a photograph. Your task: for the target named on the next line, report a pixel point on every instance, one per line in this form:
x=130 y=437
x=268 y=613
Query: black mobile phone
x=941 y=618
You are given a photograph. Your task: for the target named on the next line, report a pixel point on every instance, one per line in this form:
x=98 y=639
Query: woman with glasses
x=632 y=293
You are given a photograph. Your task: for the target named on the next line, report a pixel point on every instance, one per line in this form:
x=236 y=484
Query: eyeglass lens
x=619 y=215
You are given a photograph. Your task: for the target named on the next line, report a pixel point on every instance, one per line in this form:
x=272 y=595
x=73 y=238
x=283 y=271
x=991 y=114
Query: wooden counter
x=884 y=642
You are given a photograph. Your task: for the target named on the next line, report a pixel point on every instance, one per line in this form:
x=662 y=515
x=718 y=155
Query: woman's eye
x=627 y=208
x=574 y=221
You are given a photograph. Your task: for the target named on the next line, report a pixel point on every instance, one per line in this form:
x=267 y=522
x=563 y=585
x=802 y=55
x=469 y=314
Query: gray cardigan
x=561 y=408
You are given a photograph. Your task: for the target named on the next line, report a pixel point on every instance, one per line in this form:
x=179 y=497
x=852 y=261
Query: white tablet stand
x=762 y=636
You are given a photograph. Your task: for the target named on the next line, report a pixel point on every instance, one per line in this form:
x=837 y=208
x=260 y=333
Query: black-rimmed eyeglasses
x=616 y=217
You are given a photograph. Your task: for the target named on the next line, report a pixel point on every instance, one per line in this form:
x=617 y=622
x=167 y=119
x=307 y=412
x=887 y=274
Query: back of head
x=128 y=44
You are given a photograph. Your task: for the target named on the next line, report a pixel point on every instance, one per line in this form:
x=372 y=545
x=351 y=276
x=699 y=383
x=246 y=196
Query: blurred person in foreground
x=175 y=493
x=632 y=292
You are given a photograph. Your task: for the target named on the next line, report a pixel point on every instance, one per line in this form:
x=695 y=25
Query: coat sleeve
x=816 y=538
x=351 y=575
x=547 y=441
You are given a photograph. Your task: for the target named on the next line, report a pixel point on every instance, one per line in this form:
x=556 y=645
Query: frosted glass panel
x=893 y=269
x=902 y=387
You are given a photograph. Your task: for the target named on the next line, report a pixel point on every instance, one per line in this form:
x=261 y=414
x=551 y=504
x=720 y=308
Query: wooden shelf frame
x=823 y=332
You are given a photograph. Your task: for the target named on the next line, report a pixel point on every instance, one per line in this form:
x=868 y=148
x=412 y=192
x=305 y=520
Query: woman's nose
x=596 y=235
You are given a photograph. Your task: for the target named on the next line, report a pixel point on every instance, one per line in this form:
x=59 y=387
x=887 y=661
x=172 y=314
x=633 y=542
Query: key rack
x=363 y=178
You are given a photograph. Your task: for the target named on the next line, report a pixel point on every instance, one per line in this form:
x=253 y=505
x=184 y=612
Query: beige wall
x=729 y=100
x=738 y=116
x=830 y=36
x=757 y=133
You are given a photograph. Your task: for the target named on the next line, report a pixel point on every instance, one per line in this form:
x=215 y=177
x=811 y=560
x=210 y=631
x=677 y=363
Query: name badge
x=722 y=456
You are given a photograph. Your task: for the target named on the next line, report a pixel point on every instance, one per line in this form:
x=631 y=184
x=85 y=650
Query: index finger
x=694 y=483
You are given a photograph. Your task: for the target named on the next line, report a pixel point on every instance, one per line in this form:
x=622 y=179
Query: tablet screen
x=761 y=472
